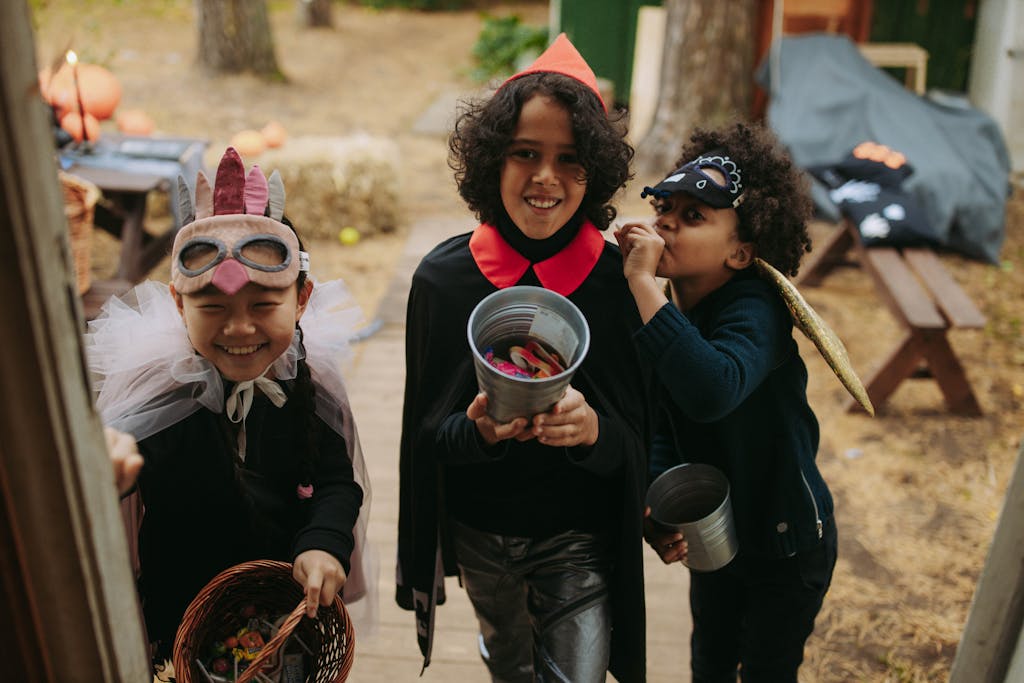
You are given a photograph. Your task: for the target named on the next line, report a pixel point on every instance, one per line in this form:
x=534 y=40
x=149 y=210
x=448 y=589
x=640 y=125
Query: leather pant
x=543 y=604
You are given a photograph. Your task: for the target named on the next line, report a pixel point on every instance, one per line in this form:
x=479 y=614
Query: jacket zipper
x=817 y=516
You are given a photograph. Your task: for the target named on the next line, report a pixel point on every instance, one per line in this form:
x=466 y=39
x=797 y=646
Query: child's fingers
x=478 y=408
x=329 y=590
x=509 y=430
x=673 y=552
x=126 y=472
x=314 y=582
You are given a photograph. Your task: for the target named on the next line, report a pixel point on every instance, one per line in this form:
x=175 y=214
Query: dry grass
x=918 y=492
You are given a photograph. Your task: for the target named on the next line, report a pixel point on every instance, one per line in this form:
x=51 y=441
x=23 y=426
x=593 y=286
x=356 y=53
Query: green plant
x=502 y=41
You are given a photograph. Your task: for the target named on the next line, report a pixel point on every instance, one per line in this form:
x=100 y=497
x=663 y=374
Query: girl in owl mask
x=241 y=415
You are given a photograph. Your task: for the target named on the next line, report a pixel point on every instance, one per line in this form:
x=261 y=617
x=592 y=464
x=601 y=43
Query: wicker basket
x=80 y=197
x=269 y=586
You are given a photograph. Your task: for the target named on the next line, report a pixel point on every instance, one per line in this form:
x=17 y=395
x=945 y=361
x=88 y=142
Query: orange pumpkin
x=101 y=91
x=58 y=89
x=72 y=123
x=275 y=134
x=134 y=122
x=249 y=143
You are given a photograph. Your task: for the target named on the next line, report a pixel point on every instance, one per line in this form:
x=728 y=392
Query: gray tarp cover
x=829 y=99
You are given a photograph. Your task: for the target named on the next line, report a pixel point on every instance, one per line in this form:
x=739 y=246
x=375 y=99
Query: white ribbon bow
x=239 y=402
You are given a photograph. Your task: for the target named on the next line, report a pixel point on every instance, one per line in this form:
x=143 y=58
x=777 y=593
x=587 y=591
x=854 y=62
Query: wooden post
x=997 y=613
x=72 y=612
x=315 y=13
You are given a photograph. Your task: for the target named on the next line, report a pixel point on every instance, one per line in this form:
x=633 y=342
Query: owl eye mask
x=234 y=234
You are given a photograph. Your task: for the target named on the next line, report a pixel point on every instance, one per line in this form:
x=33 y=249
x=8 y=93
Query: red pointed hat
x=562 y=57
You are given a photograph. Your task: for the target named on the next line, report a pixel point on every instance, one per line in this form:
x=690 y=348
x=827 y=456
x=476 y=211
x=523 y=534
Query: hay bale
x=334 y=182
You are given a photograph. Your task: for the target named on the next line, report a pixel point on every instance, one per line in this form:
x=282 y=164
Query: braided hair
x=304 y=395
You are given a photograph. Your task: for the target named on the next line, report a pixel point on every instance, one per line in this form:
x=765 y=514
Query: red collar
x=564 y=272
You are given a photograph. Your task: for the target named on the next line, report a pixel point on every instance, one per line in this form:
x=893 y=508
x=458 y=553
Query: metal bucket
x=693 y=498
x=516 y=313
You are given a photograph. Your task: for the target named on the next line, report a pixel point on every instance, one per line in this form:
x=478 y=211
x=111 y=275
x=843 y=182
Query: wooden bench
x=926 y=301
x=127 y=169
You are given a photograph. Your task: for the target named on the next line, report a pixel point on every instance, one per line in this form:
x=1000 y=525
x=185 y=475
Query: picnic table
x=926 y=301
x=127 y=169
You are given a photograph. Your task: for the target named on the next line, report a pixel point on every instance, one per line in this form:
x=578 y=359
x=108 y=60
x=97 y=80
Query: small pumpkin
x=274 y=134
x=58 y=89
x=134 y=122
x=72 y=123
x=101 y=91
x=249 y=143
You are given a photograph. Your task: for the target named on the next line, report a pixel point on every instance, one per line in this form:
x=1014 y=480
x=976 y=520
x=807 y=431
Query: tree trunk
x=706 y=75
x=234 y=36
x=314 y=13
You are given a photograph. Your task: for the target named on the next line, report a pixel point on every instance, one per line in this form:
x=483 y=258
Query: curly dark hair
x=776 y=204
x=484 y=130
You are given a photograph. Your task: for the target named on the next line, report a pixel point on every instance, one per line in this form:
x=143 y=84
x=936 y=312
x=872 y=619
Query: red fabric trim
x=564 y=272
x=502 y=265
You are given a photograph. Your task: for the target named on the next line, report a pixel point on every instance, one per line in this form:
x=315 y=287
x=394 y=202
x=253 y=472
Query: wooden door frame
x=68 y=591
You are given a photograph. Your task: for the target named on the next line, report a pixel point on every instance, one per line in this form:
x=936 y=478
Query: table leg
x=132 y=238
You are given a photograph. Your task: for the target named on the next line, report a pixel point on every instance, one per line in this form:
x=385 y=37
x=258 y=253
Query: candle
x=73 y=61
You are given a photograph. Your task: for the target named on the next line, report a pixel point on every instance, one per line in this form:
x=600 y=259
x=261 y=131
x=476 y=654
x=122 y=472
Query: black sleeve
x=335 y=503
x=460 y=443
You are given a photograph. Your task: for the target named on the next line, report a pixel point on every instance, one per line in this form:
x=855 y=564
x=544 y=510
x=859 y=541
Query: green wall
x=945 y=28
x=604 y=31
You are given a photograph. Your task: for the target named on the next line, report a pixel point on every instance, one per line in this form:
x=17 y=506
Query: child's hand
x=492 y=432
x=124 y=457
x=322 y=576
x=571 y=422
x=641 y=247
x=670 y=545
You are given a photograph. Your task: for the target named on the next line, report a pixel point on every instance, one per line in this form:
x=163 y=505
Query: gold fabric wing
x=818 y=331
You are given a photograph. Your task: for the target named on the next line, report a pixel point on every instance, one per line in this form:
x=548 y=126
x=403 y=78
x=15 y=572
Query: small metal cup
x=693 y=498
x=515 y=313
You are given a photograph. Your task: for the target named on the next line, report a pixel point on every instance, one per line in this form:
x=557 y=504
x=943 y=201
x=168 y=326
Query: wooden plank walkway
x=376 y=384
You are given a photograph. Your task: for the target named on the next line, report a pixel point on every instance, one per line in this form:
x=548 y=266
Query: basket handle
x=283 y=633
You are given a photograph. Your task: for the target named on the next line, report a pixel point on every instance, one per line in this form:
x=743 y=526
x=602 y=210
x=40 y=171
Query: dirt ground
x=918 y=492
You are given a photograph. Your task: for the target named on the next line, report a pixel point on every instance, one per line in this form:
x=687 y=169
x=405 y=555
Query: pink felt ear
x=229 y=188
x=204 y=197
x=255 y=191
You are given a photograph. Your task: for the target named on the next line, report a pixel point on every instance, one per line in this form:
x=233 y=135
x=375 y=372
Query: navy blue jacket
x=734 y=392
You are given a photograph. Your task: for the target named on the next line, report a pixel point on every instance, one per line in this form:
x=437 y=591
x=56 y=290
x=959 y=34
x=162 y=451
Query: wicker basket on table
x=80 y=197
x=268 y=585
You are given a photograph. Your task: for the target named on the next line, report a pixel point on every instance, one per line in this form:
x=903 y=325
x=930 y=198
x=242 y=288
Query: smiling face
x=542 y=181
x=242 y=333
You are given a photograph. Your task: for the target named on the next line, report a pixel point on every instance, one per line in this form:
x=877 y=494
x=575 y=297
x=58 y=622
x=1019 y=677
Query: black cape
x=440 y=381
x=205 y=511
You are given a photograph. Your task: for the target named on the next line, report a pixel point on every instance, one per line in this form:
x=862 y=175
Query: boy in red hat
x=539 y=516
